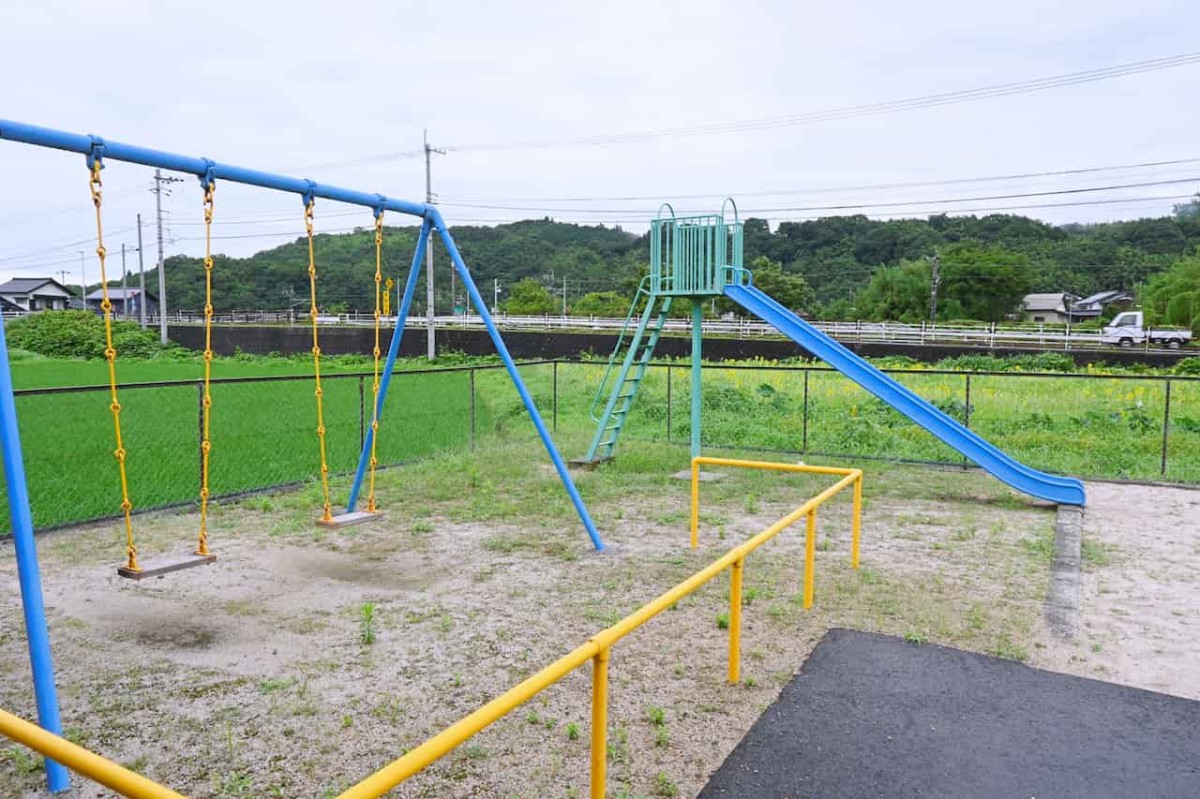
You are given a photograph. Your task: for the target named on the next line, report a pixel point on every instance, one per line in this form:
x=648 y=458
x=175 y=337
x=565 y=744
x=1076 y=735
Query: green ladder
x=634 y=354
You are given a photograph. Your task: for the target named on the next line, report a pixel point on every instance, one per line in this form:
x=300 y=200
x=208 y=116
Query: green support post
x=697 y=344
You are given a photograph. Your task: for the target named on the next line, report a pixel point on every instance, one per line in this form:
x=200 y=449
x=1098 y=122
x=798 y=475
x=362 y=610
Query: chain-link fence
x=264 y=429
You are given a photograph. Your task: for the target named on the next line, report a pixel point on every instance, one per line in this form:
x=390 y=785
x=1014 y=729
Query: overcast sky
x=325 y=90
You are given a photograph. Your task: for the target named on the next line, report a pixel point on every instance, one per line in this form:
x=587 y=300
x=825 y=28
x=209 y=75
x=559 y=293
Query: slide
x=1062 y=490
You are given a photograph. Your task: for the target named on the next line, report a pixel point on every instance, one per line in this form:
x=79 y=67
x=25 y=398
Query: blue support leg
x=27 y=570
x=481 y=306
x=410 y=287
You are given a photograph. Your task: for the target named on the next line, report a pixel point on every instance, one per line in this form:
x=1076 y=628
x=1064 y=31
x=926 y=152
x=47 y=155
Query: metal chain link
x=316 y=353
x=371 y=508
x=110 y=355
x=206 y=403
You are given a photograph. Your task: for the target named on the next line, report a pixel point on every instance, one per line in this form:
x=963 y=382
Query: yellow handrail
x=80 y=760
x=810 y=540
x=597 y=649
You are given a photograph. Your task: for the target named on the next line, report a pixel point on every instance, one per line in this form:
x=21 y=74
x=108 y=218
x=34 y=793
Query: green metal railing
x=690 y=255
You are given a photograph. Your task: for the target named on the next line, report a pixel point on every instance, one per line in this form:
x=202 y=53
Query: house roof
x=27 y=285
x=1045 y=302
x=1104 y=298
x=118 y=294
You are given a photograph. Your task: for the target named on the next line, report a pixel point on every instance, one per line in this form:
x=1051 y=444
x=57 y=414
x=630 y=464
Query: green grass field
x=264 y=434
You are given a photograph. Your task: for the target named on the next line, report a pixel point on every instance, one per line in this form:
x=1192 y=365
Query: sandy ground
x=1140 y=610
x=251 y=678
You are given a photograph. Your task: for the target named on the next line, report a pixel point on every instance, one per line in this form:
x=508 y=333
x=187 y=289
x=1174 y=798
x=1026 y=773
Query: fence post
x=967 y=414
x=669 y=371
x=804 y=417
x=200 y=428
x=362 y=412
x=967 y=406
x=555 y=399
x=471 y=411
x=1166 y=426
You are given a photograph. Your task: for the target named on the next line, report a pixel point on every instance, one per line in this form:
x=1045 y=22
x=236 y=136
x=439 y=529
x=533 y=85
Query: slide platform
x=1061 y=490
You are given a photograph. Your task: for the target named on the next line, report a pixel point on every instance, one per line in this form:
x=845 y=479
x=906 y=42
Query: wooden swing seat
x=348 y=519
x=158 y=568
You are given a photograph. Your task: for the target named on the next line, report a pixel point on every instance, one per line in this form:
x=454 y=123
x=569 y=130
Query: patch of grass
x=366 y=623
x=664 y=786
x=572 y=731
x=1095 y=554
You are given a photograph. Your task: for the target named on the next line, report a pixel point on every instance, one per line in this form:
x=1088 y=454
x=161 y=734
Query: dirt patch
x=253 y=677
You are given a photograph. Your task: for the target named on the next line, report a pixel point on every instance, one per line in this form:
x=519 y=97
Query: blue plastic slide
x=1063 y=490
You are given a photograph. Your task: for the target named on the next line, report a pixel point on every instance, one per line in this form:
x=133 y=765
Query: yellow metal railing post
x=695 y=502
x=735 y=620
x=810 y=557
x=599 y=723
x=856 y=523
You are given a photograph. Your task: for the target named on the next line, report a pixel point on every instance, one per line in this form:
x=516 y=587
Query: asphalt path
x=871 y=716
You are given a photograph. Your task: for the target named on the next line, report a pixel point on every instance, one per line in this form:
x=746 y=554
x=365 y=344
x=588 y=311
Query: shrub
x=78 y=334
x=1187 y=366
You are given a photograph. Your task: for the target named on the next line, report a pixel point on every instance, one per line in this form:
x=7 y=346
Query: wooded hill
x=855 y=266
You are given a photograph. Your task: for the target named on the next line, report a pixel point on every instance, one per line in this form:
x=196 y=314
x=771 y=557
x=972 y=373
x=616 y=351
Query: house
x=125 y=302
x=1053 y=308
x=36 y=294
x=1069 y=309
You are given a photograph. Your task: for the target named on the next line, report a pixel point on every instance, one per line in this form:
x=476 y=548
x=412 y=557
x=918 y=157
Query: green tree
x=789 y=289
x=601 y=303
x=529 y=298
x=987 y=282
x=1173 y=297
x=899 y=293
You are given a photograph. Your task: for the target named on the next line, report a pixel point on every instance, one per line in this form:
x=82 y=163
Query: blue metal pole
x=410 y=288
x=27 y=569
x=200 y=167
x=697 y=346
x=481 y=306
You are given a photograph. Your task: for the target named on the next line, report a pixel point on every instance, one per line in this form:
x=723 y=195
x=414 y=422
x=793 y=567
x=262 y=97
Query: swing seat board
x=157 y=568
x=348 y=519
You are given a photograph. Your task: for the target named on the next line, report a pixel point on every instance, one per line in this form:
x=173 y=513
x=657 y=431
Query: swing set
x=134 y=569
x=98 y=152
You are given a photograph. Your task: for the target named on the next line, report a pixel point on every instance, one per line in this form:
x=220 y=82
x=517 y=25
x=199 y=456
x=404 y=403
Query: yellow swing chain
x=206 y=404
x=110 y=354
x=375 y=396
x=316 y=353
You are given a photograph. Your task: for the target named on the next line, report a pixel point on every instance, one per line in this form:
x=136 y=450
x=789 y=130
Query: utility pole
x=564 y=296
x=141 y=278
x=158 y=190
x=495 y=295
x=124 y=285
x=82 y=281
x=430 y=347
x=935 y=278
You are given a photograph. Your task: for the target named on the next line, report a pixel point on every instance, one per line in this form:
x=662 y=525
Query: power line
x=837 y=189
x=850 y=112
x=856 y=206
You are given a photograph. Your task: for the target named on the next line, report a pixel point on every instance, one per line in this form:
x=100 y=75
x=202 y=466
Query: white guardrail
x=982 y=335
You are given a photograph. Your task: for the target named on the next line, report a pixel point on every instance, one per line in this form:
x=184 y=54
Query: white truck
x=1128 y=328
